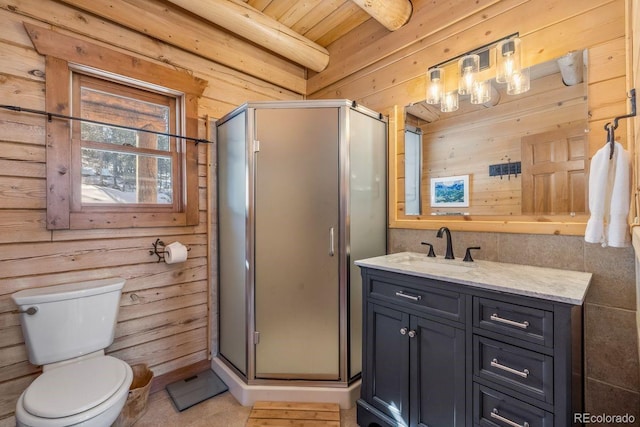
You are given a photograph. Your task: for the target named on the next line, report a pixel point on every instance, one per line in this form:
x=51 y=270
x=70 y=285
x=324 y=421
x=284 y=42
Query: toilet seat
x=75 y=393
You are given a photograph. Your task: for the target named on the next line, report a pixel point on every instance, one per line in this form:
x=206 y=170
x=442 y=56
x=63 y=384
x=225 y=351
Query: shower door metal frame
x=252 y=324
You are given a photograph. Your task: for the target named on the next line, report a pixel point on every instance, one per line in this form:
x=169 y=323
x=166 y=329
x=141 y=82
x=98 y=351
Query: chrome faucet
x=449 y=254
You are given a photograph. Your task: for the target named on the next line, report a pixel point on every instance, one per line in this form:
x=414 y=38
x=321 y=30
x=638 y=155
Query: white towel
x=609 y=197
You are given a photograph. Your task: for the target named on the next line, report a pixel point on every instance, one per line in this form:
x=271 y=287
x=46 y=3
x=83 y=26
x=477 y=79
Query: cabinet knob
x=412 y=334
x=403 y=331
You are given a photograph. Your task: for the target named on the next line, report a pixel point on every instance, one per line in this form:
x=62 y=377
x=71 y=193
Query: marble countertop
x=539 y=282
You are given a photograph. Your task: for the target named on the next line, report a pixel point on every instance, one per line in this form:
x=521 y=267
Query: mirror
x=520 y=155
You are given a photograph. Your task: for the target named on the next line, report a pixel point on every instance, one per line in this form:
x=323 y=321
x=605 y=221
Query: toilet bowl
x=66 y=329
x=90 y=392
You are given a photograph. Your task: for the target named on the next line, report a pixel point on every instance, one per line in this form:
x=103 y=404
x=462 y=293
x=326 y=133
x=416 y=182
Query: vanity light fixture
x=470 y=68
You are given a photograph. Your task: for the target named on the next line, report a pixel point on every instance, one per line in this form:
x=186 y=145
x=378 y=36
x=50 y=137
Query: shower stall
x=301 y=196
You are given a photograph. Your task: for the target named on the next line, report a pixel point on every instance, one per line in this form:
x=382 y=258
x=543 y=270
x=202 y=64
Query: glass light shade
x=481 y=92
x=468 y=66
x=435 y=85
x=519 y=83
x=449 y=102
x=508 y=59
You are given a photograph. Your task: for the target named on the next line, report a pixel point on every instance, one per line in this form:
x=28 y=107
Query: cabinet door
x=385 y=383
x=437 y=386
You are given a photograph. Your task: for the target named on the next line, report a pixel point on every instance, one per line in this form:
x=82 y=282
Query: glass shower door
x=232 y=218
x=296 y=244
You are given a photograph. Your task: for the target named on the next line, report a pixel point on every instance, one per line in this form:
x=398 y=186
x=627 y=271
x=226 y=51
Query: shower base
x=247 y=394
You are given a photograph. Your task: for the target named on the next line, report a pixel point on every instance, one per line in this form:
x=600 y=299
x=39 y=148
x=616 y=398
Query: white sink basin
x=430 y=264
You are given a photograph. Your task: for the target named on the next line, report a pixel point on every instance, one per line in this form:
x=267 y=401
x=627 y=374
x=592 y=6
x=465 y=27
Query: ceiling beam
x=393 y=14
x=253 y=25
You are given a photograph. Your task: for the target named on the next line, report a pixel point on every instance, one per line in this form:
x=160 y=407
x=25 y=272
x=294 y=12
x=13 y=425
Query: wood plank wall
x=394 y=75
x=164 y=315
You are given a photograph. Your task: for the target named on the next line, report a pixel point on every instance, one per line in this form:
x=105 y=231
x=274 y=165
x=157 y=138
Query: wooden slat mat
x=294 y=414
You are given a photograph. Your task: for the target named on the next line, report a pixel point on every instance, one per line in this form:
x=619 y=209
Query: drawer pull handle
x=496 y=318
x=524 y=373
x=408 y=296
x=497 y=416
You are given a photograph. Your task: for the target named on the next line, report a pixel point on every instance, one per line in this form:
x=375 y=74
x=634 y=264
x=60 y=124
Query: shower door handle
x=331 y=242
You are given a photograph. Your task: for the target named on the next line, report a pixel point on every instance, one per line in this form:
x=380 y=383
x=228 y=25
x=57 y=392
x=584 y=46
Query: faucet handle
x=467 y=256
x=431 y=252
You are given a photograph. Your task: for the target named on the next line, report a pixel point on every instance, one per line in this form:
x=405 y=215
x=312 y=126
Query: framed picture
x=450 y=192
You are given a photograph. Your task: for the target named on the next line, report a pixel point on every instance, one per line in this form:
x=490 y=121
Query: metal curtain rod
x=610 y=128
x=62 y=116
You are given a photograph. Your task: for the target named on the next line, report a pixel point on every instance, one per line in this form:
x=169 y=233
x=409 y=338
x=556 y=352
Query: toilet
x=66 y=329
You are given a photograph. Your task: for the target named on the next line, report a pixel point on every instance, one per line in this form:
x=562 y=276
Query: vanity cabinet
x=441 y=353
x=414 y=354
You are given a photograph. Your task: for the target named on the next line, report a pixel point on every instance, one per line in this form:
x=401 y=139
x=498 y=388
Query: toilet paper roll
x=175 y=252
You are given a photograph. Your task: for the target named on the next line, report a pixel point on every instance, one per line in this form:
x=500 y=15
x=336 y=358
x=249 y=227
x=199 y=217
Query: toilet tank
x=70 y=320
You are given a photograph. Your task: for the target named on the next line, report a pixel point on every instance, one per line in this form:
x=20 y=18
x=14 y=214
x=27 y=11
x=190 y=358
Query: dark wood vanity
x=438 y=352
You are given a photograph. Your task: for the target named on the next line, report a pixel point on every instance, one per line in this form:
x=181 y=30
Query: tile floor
x=219 y=411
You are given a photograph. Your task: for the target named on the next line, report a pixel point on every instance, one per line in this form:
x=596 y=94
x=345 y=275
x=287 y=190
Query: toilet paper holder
x=158 y=249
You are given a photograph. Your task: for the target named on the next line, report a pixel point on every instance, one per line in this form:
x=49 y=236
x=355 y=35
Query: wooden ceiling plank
x=260 y=5
x=277 y=8
x=321 y=10
x=297 y=12
x=337 y=23
x=347 y=25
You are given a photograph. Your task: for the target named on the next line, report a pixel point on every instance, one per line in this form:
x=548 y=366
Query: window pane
x=111 y=108
x=110 y=177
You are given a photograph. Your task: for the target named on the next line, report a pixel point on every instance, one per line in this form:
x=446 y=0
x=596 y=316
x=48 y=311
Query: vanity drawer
x=526 y=323
x=494 y=409
x=522 y=370
x=434 y=300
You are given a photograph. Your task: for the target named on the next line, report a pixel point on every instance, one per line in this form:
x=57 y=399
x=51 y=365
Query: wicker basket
x=136 y=404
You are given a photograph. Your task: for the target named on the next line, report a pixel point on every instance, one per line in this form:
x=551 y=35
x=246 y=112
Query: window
x=120 y=166
x=102 y=176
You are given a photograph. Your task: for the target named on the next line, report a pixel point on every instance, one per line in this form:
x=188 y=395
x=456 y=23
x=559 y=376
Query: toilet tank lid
x=68 y=291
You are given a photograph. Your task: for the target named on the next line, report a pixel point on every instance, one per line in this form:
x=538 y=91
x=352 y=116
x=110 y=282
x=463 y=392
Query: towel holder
x=610 y=128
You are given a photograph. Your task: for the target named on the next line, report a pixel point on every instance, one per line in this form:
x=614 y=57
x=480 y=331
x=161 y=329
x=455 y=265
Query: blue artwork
x=450 y=191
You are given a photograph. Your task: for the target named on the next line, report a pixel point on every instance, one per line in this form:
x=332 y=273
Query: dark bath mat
x=195 y=389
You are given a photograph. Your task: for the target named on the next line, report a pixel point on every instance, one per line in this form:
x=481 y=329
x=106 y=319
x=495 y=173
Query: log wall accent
x=164 y=317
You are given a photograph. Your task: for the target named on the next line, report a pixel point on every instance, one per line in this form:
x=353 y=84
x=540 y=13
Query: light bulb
x=481 y=92
x=435 y=88
x=449 y=102
x=519 y=82
x=508 y=59
x=469 y=65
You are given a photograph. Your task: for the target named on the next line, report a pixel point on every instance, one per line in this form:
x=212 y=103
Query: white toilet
x=66 y=329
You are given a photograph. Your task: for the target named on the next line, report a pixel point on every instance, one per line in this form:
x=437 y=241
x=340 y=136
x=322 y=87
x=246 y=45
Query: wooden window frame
x=175 y=153
x=62 y=55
